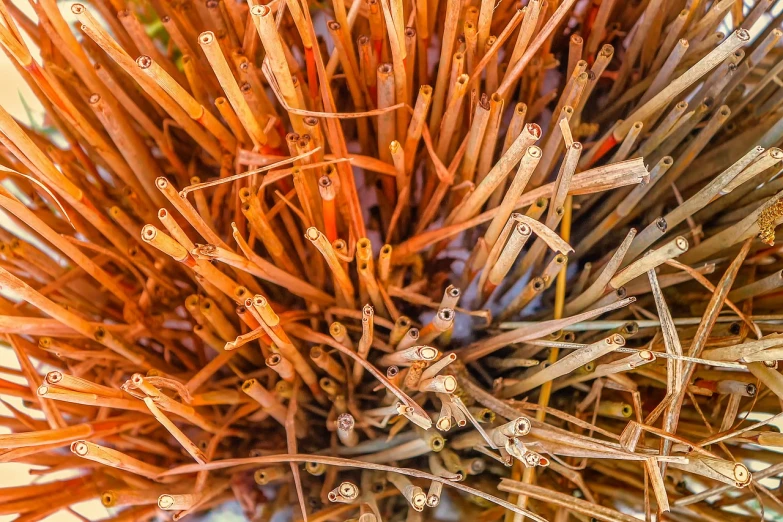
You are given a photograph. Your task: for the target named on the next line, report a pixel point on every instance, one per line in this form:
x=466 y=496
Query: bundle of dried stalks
x=368 y=258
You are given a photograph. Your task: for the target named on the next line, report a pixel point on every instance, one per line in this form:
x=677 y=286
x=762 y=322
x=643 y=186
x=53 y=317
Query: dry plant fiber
x=388 y=260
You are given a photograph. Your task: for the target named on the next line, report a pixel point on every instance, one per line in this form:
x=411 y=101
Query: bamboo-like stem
x=439 y=325
x=508 y=255
x=628 y=143
x=251 y=208
x=263 y=20
x=444 y=62
x=575 y=44
x=343 y=283
x=567 y=364
x=217 y=319
x=498 y=173
x=373 y=290
x=673 y=34
x=667 y=69
x=135 y=154
x=231 y=119
x=760 y=287
x=194 y=109
x=736 y=40
x=86 y=399
x=453 y=110
x=475 y=137
x=663 y=129
x=365 y=342
x=132 y=497
x=148 y=341
x=265 y=398
x=222 y=70
x=328 y=195
x=115 y=459
x=56 y=378
x=413 y=494
x=599 y=66
x=672 y=249
x=387 y=130
x=183 y=206
x=181 y=502
x=327 y=363
x=102 y=38
x=534 y=287
x=489 y=144
x=416 y=125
